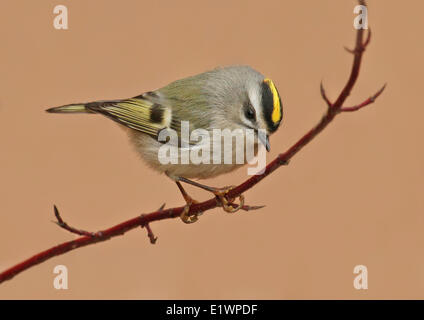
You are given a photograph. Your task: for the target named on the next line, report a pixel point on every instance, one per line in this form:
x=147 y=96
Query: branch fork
x=357 y=52
x=146 y=225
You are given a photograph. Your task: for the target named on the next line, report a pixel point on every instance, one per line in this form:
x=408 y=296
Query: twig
x=324 y=95
x=150 y=234
x=65 y=226
x=333 y=109
x=365 y=103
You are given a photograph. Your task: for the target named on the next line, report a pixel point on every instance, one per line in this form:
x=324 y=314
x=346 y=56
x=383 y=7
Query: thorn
x=59 y=221
x=249 y=208
x=284 y=162
x=349 y=50
x=56 y=212
x=161 y=207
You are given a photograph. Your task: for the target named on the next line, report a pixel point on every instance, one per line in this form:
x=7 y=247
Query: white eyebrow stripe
x=255 y=99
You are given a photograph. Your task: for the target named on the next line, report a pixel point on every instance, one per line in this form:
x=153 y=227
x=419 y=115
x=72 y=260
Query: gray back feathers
x=210 y=93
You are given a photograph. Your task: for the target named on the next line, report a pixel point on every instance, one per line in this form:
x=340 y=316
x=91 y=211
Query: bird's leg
x=220 y=194
x=189 y=201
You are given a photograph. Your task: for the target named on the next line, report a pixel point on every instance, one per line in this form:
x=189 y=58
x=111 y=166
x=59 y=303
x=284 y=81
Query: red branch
x=88 y=238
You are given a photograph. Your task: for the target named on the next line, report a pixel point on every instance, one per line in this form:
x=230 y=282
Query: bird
x=233 y=97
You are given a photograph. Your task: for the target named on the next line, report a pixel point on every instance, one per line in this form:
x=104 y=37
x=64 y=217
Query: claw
x=185 y=217
x=220 y=194
x=226 y=204
x=188 y=218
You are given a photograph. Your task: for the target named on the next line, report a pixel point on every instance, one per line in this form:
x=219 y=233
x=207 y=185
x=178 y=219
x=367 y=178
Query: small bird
x=233 y=97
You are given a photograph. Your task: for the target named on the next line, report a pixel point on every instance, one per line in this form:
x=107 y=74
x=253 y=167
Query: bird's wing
x=139 y=113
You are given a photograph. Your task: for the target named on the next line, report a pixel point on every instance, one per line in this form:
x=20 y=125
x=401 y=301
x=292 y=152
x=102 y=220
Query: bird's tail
x=70 y=108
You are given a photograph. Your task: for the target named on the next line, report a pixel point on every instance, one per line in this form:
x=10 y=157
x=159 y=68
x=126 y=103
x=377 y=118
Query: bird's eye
x=250 y=112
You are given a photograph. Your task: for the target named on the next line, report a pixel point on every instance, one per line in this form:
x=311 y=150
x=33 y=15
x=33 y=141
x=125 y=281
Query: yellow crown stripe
x=276 y=111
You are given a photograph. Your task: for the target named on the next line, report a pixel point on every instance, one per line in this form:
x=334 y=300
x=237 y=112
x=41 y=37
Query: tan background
x=353 y=196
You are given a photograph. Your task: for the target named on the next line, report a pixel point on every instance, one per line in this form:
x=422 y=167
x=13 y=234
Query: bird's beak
x=264 y=139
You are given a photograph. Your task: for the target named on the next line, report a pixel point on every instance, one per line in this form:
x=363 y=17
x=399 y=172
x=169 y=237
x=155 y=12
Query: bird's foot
x=227 y=203
x=185 y=217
